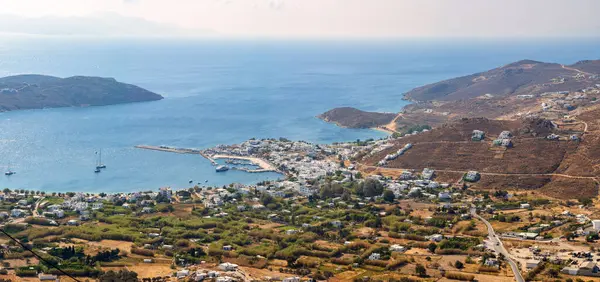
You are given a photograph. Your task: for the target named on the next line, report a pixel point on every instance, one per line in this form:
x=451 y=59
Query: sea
x=221 y=91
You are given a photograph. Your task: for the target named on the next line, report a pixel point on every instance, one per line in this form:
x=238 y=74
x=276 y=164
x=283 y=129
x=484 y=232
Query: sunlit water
x=218 y=92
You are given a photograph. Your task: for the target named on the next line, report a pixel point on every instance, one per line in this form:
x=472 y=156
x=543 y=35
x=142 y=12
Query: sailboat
x=100 y=165
x=97 y=170
x=9 y=172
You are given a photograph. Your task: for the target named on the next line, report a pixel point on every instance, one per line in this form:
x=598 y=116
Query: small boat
x=222 y=168
x=191 y=181
x=97 y=170
x=9 y=172
x=100 y=165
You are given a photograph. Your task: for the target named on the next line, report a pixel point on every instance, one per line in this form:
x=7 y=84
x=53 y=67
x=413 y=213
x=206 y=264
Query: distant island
x=32 y=91
x=503 y=92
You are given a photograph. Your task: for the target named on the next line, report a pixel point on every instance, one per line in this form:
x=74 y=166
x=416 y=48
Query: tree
x=459 y=265
x=266 y=199
x=592 y=237
x=553 y=272
x=121 y=276
x=585 y=201
x=370 y=188
x=432 y=247
x=388 y=196
x=420 y=270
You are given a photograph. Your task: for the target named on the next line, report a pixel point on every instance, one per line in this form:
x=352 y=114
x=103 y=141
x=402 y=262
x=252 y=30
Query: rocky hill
x=522 y=77
x=563 y=168
x=355 y=118
x=41 y=91
x=506 y=92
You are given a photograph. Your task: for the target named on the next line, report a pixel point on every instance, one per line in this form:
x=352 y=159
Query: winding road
x=498 y=247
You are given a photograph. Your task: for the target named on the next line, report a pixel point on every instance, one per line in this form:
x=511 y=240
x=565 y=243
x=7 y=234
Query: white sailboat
x=100 y=165
x=97 y=170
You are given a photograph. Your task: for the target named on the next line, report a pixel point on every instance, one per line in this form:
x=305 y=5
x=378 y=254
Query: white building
x=166 y=192
x=226 y=266
x=532 y=263
x=182 y=273
x=17 y=212
x=444 y=196
x=375 y=256
x=47 y=277
x=336 y=223
x=397 y=248
x=596 y=224
x=436 y=237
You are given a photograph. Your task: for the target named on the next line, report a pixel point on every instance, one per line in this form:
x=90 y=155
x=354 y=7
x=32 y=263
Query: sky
x=304 y=18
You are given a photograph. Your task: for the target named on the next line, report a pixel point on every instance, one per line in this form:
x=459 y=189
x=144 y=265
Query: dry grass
x=146 y=270
x=112 y=244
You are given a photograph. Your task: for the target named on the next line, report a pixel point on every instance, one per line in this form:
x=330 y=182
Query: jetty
x=263 y=165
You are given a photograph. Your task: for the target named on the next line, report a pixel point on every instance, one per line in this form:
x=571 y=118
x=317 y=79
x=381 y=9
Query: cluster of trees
x=74 y=254
x=67 y=252
x=23 y=191
x=367 y=188
x=121 y=276
x=458 y=243
x=508 y=218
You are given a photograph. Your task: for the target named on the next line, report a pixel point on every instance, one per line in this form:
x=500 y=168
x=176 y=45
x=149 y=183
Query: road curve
x=498 y=246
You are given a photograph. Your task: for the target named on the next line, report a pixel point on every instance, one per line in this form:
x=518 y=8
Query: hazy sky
x=338 y=18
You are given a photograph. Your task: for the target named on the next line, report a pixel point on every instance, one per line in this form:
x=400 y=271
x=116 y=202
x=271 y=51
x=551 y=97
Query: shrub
x=459 y=276
x=380 y=263
x=484 y=268
x=392 y=265
x=142 y=252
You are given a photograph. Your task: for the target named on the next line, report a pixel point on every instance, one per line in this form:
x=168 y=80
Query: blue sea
x=220 y=92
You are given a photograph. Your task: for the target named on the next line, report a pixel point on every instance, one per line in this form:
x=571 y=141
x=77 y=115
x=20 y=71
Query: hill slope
x=562 y=168
x=522 y=77
x=355 y=118
x=40 y=91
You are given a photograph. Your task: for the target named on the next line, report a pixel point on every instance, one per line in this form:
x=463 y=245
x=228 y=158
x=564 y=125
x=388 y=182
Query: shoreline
x=382 y=129
x=264 y=165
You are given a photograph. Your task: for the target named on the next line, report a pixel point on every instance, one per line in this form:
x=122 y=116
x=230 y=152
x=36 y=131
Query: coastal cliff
x=40 y=91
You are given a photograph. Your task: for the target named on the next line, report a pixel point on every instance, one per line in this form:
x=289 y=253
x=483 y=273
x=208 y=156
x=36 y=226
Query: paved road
x=498 y=247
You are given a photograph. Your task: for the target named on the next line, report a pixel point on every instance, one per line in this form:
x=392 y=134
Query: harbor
x=263 y=165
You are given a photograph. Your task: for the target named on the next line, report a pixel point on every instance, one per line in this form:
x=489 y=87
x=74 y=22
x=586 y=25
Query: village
x=327 y=219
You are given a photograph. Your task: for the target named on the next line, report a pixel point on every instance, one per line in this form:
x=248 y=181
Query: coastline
x=263 y=164
x=383 y=129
